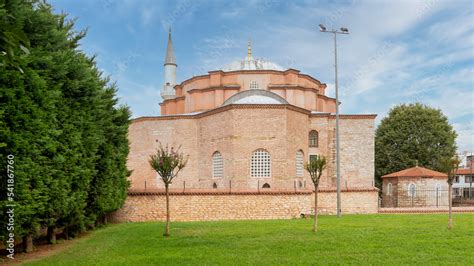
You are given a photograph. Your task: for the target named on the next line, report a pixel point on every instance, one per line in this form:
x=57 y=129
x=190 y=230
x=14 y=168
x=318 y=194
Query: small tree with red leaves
x=168 y=162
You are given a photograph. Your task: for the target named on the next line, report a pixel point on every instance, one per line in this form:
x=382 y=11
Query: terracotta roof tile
x=416 y=171
x=465 y=171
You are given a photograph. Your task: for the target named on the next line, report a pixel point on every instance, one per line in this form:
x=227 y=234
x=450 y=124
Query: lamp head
x=345 y=30
x=321 y=27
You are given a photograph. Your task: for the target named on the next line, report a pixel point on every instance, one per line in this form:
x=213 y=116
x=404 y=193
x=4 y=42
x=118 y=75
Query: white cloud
x=147 y=16
x=465 y=131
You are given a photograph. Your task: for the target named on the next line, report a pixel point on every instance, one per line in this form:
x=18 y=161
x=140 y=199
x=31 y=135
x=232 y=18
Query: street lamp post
x=338 y=169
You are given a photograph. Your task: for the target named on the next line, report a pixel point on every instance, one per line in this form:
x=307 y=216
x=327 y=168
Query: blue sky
x=398 y=51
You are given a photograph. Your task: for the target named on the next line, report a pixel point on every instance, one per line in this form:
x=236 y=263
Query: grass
x=353 y=239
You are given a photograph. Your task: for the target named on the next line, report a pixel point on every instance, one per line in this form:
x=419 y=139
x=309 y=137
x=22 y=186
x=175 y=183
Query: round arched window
x=217 y=165
x=412 y=190
x=299 y=163
x=313 y=138
x=260 y=164
x=389 y=189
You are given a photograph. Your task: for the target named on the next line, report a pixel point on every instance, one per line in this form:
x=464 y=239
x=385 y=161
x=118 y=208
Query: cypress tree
x=59 y=118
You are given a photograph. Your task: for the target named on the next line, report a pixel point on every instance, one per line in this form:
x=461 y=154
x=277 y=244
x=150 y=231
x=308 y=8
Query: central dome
x=249 y=63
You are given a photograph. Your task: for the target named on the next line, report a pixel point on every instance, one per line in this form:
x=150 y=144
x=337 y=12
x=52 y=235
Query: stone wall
x=212 y=205
x=429 y=192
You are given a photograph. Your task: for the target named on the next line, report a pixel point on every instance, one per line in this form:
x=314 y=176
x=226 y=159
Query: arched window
x=412 y=190
x=214 y=185
x=217 y=165
x=438 y=190
x=299 y=163
x=389 y=189
x=313 y=138
x=266 y=185
x=260 y=165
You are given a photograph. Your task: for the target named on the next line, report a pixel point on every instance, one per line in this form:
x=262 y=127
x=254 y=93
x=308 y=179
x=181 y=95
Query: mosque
x=248 y=129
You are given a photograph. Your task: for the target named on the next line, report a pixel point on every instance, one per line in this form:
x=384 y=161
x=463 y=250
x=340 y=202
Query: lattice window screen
x=260 y=164
x=217 y=165
x=299 y=164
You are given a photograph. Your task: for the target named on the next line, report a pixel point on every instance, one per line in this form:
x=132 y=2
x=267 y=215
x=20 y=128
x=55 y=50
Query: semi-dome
x=250 y=63
x=255 y=96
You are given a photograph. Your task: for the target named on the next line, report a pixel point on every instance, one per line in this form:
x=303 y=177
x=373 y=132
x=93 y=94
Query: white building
x=463 y=186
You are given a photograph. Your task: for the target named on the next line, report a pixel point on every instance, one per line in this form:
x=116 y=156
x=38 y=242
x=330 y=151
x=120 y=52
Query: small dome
x=255 y=97
x=249 y=63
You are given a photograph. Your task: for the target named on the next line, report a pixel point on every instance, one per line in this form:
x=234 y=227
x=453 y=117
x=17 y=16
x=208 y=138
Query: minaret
x=249 y=50
x=168 y=92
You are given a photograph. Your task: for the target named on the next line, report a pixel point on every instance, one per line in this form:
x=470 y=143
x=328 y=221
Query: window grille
x=313 y=157
x=260 y=165
x=253 y=85
x=217 y=165
x=299 y=164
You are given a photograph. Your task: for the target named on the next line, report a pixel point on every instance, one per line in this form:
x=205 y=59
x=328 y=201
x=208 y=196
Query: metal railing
x=427 y=198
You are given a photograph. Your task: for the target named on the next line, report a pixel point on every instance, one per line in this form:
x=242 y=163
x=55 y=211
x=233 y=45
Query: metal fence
x=427 y=198
x=463 y=196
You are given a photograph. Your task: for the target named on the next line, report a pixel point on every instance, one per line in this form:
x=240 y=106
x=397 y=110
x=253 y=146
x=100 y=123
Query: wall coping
x=142 y=192
x=253 y=106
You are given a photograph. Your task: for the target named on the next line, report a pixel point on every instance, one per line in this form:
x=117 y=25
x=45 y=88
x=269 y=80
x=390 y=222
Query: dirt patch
x=42 y=250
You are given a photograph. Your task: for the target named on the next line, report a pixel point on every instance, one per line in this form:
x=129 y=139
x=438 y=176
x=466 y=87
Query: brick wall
x=196 y=206
x=237 y=132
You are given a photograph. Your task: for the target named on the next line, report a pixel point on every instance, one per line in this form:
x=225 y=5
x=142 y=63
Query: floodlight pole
x=338 y=158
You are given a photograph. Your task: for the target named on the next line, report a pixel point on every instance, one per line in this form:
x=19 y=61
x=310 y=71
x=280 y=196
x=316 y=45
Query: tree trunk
x=167 y=232
x=66 y=232
x=450 y=198
x=315 y=225
x=105 y=219
x=28 y=243
x=51 y=235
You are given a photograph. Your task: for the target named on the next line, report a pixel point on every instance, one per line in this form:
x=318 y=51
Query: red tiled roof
x=465 y=171
x=416 y=171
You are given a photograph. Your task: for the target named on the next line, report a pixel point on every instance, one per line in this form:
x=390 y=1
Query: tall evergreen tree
x=59 y=118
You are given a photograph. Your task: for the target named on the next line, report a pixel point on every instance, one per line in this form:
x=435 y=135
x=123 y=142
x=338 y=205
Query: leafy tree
x=450 y=167
x=167 y=162
x=315 y=168
x=412 y=133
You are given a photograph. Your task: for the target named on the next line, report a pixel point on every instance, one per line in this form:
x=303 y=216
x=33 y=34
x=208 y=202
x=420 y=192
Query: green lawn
x=356 y=239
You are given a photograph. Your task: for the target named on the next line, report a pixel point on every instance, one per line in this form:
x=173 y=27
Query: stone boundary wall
x=204 y=206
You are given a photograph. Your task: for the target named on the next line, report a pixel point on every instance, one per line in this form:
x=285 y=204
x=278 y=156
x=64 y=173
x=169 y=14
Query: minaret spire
x=170 y=59
x=168 y=91
x=249 y=49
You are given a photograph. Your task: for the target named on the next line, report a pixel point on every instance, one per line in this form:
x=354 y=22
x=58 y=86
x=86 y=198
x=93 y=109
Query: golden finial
x=249 y=49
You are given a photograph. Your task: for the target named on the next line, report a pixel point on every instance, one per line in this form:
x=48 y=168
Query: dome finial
x=249 y=49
